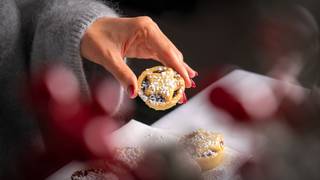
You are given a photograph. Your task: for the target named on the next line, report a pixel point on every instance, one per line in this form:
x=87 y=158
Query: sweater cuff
x=76 y=32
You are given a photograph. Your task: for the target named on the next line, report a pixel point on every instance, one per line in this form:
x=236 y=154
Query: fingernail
x=196 y=74
x=193 y=84
x=130 y=91
x=185 y=99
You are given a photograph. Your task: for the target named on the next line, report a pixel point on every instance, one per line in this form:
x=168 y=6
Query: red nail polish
x=193 y=84
x=130 y=91
x=185 y=99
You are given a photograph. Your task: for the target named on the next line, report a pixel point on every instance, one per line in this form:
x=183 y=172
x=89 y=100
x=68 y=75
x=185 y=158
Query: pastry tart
x=129 y=156
x=160 y=87
x=205 y=147
x=93 y=174
x=125 y=159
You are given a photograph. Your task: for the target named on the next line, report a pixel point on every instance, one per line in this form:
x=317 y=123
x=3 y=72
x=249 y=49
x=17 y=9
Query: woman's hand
x=109 y=40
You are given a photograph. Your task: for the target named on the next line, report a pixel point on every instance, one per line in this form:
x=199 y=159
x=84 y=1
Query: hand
x=109 y=40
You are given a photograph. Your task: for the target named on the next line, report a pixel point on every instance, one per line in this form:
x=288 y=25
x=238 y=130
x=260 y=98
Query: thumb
x=122 y=72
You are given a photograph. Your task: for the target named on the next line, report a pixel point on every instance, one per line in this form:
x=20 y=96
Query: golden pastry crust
x=205 y=147
x=160 y=87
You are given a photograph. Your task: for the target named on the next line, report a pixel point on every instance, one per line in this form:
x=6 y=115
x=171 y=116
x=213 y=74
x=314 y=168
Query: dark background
x=210 y=33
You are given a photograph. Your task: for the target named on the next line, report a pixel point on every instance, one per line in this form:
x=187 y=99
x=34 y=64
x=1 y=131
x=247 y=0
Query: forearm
x=59 y=28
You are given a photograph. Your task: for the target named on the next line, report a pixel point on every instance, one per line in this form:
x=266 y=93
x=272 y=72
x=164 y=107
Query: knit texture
x=59 y=31
x=33 y=34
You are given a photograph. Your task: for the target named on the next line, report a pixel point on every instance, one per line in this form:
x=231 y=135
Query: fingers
x=192 y=73
x=150 y=42
x=171 y=62
x=131 y=37
x=167 y=54
x=183 y=99
x=120 y=70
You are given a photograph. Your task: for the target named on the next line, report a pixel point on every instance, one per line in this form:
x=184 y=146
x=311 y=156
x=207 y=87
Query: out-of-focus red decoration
x=72 y=126
x=63 y=113
x=97 y=135
x=221 y=98
x=210 y=75
x=251 y=98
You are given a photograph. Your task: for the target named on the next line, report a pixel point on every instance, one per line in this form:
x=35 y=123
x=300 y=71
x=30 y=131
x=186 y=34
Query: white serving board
x=136 y=134
x=199 y=113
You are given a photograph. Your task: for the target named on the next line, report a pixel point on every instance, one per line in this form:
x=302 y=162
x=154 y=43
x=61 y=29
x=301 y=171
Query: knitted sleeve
x=59 y=27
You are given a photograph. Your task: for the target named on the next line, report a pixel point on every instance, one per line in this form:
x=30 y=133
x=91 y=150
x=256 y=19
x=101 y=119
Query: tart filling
x=160 y=87
x=93 y=174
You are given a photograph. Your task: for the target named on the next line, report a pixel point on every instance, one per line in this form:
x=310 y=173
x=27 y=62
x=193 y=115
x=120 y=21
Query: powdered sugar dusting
x=202 y=143
x=130 y=156
x=159 y=86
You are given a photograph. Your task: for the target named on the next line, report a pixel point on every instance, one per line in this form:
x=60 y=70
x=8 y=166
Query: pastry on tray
x=93 y=174
x=160 y=87
x=205 y=147
x=125 y=158
x=129 y=156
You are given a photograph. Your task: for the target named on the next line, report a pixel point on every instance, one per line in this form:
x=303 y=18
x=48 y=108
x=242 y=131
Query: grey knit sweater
x=34 y=33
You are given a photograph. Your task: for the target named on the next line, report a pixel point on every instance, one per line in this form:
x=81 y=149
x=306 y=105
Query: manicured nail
x=185 y=99
x=130 y=91
x=193 y=84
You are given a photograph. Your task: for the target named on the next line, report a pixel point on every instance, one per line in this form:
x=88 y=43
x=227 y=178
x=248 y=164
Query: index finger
x=166 y=53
